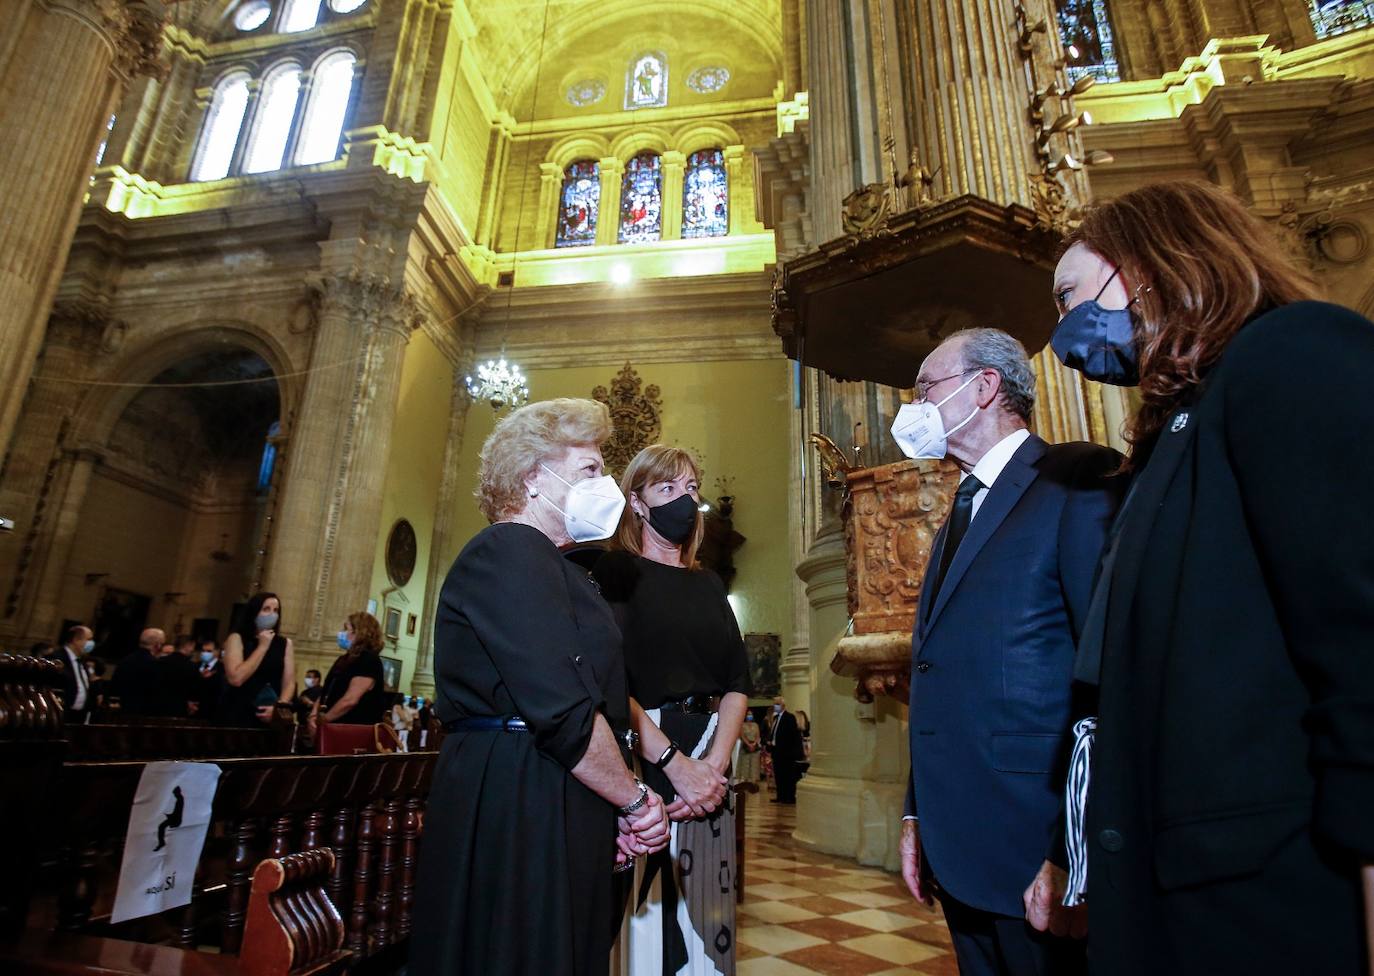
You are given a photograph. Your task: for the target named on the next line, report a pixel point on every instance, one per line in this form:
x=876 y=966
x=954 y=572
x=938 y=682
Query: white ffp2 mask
x=593 y=507
x=919 y=430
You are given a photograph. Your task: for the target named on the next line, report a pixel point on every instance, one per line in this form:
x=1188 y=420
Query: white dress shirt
x=990 y=465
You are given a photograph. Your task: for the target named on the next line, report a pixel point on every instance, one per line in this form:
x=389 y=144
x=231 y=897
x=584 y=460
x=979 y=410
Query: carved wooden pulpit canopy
x=872 y=304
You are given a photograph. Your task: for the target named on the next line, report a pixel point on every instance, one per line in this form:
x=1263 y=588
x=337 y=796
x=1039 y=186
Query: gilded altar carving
x=636 y=415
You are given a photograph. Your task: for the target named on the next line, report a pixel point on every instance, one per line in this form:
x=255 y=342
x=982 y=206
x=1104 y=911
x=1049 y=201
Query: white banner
x=166 y=832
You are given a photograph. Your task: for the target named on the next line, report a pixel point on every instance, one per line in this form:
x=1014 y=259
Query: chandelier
x=499 y=383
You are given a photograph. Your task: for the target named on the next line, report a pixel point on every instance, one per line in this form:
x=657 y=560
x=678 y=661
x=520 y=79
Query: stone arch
x=632 y=142
x=581 y=146
x=705 y=135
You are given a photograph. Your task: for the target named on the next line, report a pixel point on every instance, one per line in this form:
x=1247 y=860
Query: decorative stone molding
x=132 y=30
x=636 y=415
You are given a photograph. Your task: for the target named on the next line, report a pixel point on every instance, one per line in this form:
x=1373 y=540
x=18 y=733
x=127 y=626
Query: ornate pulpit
x=891 y=516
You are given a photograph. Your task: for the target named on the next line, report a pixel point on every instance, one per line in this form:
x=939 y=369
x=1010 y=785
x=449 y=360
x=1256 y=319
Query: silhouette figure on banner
x=172 y=820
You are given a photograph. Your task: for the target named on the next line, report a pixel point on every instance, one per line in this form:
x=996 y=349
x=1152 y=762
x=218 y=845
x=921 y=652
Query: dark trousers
x=987 y=944
x=786 y=773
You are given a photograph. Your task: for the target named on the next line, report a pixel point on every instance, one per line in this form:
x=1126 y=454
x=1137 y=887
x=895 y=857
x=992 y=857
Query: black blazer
x=787 y=746
x=992 y=665
x=69 y=686
x=1232 y=790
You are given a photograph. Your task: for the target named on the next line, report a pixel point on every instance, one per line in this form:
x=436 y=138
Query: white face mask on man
x=593 y=507
x=919 y=430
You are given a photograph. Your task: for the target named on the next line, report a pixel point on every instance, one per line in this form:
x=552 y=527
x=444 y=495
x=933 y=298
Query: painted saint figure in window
x=647 y=84
x=641 y=200
x=579 y=204
x=1089 y=47
x=705 y=200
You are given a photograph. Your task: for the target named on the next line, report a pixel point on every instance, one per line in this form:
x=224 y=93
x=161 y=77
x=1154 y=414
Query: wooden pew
x=292 y=930
x=172 y=739
x=368 y=809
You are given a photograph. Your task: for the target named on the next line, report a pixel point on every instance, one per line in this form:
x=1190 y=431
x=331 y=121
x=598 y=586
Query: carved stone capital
x=132 y=29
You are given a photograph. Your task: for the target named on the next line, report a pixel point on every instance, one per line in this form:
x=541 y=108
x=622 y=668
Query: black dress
x=239 y=706
x=371 y=708
x=681 y=641
x=515 y=872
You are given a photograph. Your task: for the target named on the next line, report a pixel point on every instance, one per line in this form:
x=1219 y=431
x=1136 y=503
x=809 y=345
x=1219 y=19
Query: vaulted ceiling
x=532 y=51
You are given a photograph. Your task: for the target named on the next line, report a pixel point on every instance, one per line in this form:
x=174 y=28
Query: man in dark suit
x=1005 y=594
x=77 y=701
x=785 y=748
x=141 y=682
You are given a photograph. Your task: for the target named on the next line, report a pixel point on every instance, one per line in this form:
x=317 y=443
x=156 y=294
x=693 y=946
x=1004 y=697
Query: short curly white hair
x=528 y=436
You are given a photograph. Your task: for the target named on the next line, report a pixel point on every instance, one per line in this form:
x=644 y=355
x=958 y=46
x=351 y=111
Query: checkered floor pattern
x=806 y=913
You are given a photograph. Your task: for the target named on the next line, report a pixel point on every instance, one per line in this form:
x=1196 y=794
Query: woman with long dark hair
x=1222 y=800
x=259 y=665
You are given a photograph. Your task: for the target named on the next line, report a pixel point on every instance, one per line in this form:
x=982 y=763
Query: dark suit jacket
x=141 y=682
x=1233 y=772
x=69 y=686
x=787 y=746
x=992 y=665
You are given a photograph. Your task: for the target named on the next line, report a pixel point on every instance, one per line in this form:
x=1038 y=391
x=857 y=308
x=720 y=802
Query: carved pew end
x=292 y=927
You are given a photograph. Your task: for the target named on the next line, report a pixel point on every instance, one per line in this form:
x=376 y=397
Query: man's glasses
x=923 y=387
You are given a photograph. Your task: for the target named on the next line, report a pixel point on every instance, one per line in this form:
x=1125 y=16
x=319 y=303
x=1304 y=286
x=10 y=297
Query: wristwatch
x=643 y=798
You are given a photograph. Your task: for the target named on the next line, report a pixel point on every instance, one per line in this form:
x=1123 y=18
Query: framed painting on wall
x=392 y=628
x=765 y=657
x=391 y=672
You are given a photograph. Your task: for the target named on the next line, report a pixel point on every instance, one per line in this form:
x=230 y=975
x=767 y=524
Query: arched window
x=220 y=134
x=324 y=114
x=281 y=89
x=299 y=15
x=641 y=200
x=705 y=199
x=646 y=83
x=579 y=204
x=1086 y=31
x=267 y=466
x=1332 y=17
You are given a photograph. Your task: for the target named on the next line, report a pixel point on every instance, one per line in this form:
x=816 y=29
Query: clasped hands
x=645 y=831
x=700 y=785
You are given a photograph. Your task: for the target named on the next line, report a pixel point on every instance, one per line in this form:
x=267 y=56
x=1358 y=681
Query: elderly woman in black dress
x=532 y=804
x=689 y=687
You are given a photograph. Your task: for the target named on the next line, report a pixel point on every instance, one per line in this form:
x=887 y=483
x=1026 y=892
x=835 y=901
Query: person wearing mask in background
x=211 y=674
x=532 y=802
x=750 y=745
x=77 y=703
x=1002 y=603
x=786 y=751
x=689 y=689
x=354 y=692
x=259 y=665
x=140 y=680
x=1229 y=781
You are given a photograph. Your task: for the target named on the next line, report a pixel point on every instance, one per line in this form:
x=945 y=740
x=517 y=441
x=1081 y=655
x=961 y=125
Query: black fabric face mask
x=1098 y=342
x=676 y=520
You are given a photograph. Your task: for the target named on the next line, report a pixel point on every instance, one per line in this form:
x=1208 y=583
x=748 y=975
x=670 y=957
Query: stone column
x=674 y=164
x=550 y=185
x=36 y=472
x=330 y=516
x=608 y=219
x=62 y=72
x=441 y=546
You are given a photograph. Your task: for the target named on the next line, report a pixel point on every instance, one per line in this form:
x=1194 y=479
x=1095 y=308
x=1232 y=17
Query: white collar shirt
x=990 y=466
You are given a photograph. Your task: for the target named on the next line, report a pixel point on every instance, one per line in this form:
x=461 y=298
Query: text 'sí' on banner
x=166 y=832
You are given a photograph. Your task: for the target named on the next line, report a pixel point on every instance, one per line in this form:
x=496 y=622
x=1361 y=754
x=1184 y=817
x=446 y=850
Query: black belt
x=487 y=724
x=694 y=705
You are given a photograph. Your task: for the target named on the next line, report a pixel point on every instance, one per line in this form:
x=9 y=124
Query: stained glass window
x=324 y=116
x=705 y=199
x=281 y=89
x=1089 y=48
x=646 y=85
x=223 y=121
x=579 y=204
x=641 y=200
x=1332 y=17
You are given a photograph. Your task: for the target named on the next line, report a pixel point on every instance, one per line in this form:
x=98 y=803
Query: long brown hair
x=367 y=633
x=654 y=464
x=1200 y=265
